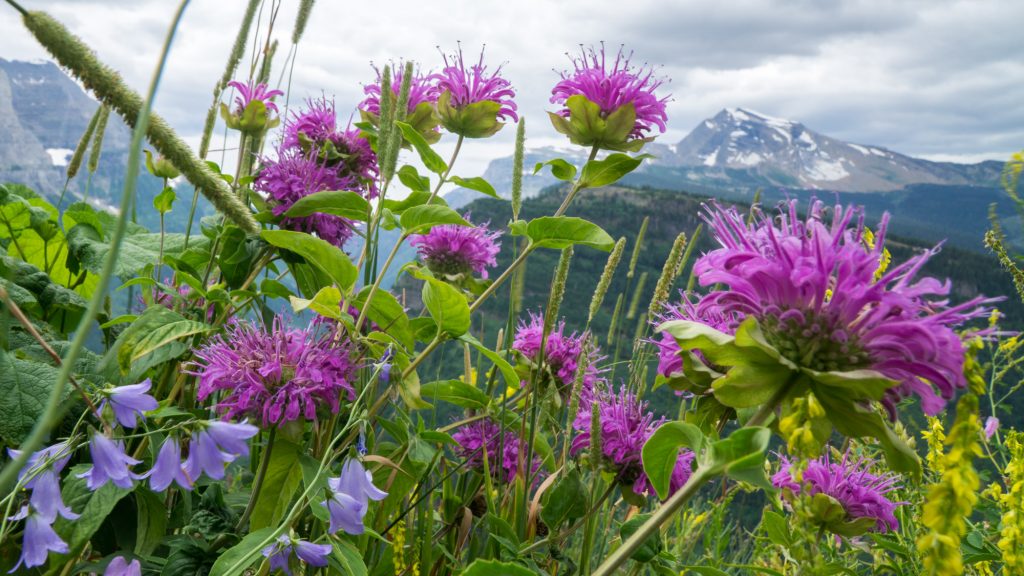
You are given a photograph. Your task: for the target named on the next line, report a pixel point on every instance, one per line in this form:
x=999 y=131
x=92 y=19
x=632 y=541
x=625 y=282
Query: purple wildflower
x=625 y=427
x=274 y=376
x=503 y=449
x=861 y=493
x=295 y=175
x=991 y=427
x=349 y=499
x=248 y=93
x=52 y=458
x=217 y=444
x=670 y=361
x=38 y=539
x=612 y=87
x=680 y=475
x=109 y=464
x=422 y=89
x=46 y=497
x=168 y=468
x=280 y=553
x=561 y=352
x=473 y=85
x=814 y=290
x=119 y=566
x=127 y=402
x=310 y=130
x=450 y=249
x=318 y=123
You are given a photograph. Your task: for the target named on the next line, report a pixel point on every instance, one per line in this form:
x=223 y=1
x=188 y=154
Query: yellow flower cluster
x=1011 y=541
x=950 y=500
x=398 y=552
x=935 y=436
x=884 y=261
x=798 y=427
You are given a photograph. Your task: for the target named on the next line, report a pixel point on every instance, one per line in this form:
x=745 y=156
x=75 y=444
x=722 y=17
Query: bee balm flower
x=473 y=102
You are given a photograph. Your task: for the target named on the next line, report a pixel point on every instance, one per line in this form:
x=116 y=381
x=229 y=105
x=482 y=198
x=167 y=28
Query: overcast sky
x=931 y=78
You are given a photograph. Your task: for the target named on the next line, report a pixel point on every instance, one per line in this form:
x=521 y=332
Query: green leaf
x=409 y=176
x=419 y=219
x=237 y=255
x=478 y=184
x=559 y=169
x=559 y=232
x=138 y=250
x=776 y=528
x=344 y=203
x=508 y=373
x=430 y=159
x=704 y=570
x=94 y=507
x=661 y=452
x=447 y=306
x=151 y=523
x=866 y=384
x=418 y=198
x=284 y=474
x=609 y=170
x=853 y=418
x=740 y=456
x=318 y=253
x=455 y=392
x=496 y=568
x=348 y=559
x=24 y=389
x=651 y=546
x=567 y=500
x=164 y=201
x=326 y=302
x=156 y=333
x=236 y=559
x=388 y=313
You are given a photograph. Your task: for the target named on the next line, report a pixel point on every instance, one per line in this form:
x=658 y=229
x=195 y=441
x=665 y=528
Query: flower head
x=215 y=445
x=503 y=449
x=472 y=101
x=253 y=107
x=350 y=494
x=991 y=427
x=280 y=553
x=450 y=249
x=562 y=352
x=50 y=459
x=46 y=498
x=130 y=401
x=814 y=290
x=619 y=103
x=38 y=540
x=850 y=483
x=274 y=376
x=249 y=92
x=168 y=468
x=109 y=464
x=670 y=360
x=119 y=566
x=422 y=90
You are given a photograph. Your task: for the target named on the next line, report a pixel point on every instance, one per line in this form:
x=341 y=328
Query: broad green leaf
x=745 y=386
x=236 y=559
x=284 y=474
x=496 y=568
x=417 y=198
x=326 y=302
x=447 y=306
x=151 y=521
x=776 y=528
x=164 y=201
x=420 y=219
x=430 y=159
x=478 y=184
x=609 y=170
x=740 y=456
x=455 y=392
x=866 y=384
x=238 y=255
x=853 y=418
x=566 y=501
x=388 y=313
x=650 y=548
x=138 y=250
x=661 y=451
x=559 y=169
x=157 y=332
x=344 y=203
x=318 y=253
x=24 y=389
x=508 y=373
x=346 y=559
x=409 y=176
x=94 y=507
x=559 y=232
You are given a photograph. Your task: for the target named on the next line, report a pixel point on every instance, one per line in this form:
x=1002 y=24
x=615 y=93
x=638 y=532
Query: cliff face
x=23 y=157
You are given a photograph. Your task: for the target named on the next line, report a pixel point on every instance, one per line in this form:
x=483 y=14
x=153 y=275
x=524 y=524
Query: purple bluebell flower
x=46 y=497
x=119 y=566
x=450 y=250
x=127 y=402
x=850 y=483
x=249 y=92
x=53 y=458
x=991 y=427
x=275 y=376
x=349 y=497
x=820 y=297
x=280 y=553
x=168 y=468
x=109 y=464
x=216 y=445
x=38 y=539
x=612 y=86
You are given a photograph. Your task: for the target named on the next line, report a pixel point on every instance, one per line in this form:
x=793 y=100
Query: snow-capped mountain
x=786 y=153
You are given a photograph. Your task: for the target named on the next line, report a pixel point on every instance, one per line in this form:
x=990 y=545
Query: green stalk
x=261 y=475
x=576 y=187
x=51 y=413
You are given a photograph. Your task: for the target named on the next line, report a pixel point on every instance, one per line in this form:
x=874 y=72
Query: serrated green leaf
x=447 y=306
x=420 y=219
x=343 y=203
x=318 y=253
x=455 y=392
x=24 y=389
x=559 y=232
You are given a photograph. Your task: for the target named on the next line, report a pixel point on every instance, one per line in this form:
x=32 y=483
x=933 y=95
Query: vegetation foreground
x=247 y=398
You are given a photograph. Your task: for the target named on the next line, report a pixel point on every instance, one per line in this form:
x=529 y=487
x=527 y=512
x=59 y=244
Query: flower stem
x=451 y=162
x=377 y=281
x=257 y=485
x=577 y=186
